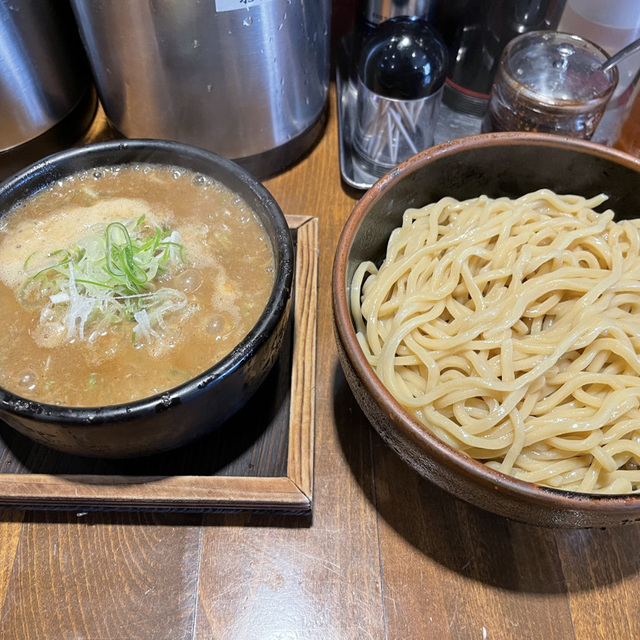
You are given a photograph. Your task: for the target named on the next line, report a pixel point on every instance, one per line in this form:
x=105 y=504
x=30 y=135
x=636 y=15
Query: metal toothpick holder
x=400 y=78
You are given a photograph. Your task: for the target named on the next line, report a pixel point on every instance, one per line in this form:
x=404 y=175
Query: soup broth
x=123 y=282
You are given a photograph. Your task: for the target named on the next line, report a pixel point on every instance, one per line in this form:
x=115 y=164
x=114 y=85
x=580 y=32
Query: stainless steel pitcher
x=247 y=79
x=46 y=95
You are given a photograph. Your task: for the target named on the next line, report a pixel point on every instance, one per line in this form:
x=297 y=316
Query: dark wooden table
x=385 y=554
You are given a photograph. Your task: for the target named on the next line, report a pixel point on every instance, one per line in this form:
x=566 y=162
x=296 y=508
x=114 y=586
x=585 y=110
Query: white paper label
x=234 y=5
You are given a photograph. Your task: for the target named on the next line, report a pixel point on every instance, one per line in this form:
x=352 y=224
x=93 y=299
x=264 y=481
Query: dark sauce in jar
x=551 y=83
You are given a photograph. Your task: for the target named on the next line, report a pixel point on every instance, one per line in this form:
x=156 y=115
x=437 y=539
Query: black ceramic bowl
x=497 y=165
x=190 y=410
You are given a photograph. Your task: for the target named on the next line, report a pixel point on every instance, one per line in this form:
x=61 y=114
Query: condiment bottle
x=476 y=32
x=401 y=74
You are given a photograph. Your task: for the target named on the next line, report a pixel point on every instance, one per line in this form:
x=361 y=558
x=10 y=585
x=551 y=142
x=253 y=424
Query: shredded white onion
x=80 y=308
x=144 y=325
x=60 y=297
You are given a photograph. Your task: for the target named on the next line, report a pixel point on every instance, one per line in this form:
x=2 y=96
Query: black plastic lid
x=404 y=58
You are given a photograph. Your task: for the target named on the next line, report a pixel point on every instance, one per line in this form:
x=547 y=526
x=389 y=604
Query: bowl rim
x=437 y=450
x=133 y=151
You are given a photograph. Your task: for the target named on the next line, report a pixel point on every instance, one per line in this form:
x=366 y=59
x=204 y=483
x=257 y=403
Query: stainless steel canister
x=247 y=79
x=46 y=96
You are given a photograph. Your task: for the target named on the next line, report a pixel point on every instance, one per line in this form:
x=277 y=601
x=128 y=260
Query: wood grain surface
x=385 y=555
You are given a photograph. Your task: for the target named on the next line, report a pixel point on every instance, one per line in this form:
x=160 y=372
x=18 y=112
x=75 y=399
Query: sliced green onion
x=107 y=277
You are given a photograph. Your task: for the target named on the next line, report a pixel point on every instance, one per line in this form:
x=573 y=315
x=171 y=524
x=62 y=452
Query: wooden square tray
x=260 y=460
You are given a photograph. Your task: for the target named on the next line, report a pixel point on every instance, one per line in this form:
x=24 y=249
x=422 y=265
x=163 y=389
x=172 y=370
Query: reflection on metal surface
x=43 y=71
x=238 y=82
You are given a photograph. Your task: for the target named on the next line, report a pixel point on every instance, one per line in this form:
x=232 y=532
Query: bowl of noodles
x=486 y=298
x=144 y=296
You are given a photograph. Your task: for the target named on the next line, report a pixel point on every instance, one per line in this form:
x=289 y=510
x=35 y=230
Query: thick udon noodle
x=511 y=330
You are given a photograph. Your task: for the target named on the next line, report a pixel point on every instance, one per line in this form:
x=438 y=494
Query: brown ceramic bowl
x=507 y=164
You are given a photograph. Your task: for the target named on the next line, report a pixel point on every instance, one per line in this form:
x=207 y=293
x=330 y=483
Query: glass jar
x=550 y=82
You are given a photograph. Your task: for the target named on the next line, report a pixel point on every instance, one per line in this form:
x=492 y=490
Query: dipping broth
x=123 y=282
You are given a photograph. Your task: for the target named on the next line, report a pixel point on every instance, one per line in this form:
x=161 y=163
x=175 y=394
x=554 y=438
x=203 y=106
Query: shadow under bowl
x=501 y=164
x=193 y=409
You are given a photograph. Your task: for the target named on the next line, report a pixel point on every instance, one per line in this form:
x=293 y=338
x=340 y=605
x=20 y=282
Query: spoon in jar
x=621 y=55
